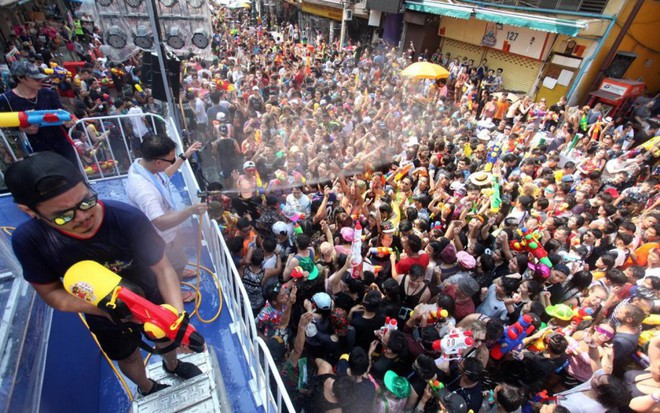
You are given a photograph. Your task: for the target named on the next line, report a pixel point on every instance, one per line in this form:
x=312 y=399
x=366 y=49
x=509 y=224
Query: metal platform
x=202 y=394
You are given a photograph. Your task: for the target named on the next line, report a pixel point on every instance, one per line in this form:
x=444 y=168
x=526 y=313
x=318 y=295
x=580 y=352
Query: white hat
x=486 y=124
x=456 y=185
x=255 y=87
x=248 y=165
x=280 y=228
x=484 y=135
x=220 y=116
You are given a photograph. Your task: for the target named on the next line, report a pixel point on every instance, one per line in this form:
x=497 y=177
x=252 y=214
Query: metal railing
x=236 y=301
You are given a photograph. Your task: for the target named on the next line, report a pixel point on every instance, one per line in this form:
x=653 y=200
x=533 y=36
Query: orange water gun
x=403 y=171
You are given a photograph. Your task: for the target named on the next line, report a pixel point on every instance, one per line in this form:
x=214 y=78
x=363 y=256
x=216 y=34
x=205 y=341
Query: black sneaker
x=184 y=370
x=156 y=387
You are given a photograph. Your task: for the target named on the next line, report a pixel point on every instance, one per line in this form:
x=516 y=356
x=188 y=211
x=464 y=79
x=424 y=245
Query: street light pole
x=342 y=36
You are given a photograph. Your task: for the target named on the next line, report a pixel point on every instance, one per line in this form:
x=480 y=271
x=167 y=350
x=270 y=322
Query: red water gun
x=94 y=283
x=514 y=335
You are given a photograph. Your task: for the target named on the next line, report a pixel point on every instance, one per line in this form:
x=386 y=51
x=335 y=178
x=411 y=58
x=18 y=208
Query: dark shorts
x=117 y=342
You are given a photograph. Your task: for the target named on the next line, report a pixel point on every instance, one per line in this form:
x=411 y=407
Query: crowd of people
x=408 y=244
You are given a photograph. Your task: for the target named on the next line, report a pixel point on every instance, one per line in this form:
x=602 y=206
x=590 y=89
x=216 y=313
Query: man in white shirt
x=137 y=122
x=148 y=188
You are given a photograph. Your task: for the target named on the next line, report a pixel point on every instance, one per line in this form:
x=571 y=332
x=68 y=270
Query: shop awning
x=530 y=21
x=442 y=9
x=606 y=95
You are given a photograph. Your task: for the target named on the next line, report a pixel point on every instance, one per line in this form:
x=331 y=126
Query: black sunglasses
x=170 y=161
x=67 y=216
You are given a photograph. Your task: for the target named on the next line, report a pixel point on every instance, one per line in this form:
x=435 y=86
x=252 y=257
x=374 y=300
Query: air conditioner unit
x=348 y=15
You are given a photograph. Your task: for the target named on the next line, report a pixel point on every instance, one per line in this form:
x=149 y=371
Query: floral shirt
x=268 y=319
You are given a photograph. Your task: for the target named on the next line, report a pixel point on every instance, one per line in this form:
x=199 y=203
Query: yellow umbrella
x=425 y=70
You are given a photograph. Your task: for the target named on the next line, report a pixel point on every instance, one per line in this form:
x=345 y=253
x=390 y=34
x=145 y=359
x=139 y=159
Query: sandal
x=188 y=296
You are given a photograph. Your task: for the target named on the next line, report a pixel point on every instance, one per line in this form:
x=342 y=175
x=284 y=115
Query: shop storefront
x=519 y=51
x=320 y=18
x=541 y=55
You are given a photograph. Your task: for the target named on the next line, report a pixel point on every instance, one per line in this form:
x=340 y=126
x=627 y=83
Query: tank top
x=319 y=402
x=410 y=301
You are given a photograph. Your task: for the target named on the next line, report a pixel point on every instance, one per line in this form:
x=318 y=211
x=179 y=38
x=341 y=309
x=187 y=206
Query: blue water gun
x=514 y=335
x=40 y=118
x=493 y=154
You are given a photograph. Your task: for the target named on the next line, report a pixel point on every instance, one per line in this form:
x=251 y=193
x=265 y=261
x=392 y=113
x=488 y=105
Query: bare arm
x=168 y=283
x=167 y=221
x=57 y=297
x=299 y=343
x=291 y=263
x=337 y=276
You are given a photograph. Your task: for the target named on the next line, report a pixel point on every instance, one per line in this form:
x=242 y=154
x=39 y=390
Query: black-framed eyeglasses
x=170 y=161
x=67 y=216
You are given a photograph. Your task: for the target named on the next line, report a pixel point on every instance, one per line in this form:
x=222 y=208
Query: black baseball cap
x=452 y=401
x=23 y=68
x=40 y=177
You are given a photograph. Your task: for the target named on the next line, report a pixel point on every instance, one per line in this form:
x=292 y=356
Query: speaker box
x=152 y=78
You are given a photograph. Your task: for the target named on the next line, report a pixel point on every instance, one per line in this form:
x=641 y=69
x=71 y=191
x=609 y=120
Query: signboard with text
x=517 y=40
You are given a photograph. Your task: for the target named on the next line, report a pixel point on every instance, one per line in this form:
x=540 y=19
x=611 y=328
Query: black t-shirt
x=126 y=243
x=47 y=138
x=365 y=327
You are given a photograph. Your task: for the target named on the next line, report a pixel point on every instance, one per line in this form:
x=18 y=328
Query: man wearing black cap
x=70 y=225
x=30 y=95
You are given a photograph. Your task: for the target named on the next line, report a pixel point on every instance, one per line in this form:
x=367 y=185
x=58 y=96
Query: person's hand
x=192 y=149
x=292 y=294
x=199 y=209
x=235 y=174
x=305 y=319
x=373 y=345
x=30 y=130
x=428 y=393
